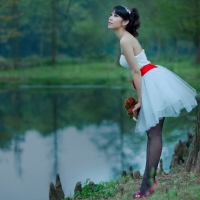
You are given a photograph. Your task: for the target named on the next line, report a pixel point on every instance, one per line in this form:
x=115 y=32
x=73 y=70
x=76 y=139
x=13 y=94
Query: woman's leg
x=154 y=149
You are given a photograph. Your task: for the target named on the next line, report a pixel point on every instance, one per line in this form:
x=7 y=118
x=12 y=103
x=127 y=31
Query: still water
x=79 y=133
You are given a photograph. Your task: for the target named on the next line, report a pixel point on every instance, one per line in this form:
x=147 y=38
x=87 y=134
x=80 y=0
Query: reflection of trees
x=182 y=124
x=11 y=126
x=55 y=143
x=121 y=124
x=17 y=135
x=48 y=111
x=75 y=108
x=117 y=143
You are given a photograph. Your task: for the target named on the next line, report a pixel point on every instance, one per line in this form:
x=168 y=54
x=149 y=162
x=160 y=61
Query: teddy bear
x=129 y=104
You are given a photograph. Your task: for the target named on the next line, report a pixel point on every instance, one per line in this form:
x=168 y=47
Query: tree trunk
x=175 y=46
x=14 y=27
x=158 y=48
x=193 y=162
x=197 y=52
x=197 y=33
x=53 y=32
x=41 y=45
x=55 y=127
x=189 y=49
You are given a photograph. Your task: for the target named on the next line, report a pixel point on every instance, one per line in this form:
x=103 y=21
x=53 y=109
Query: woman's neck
x=120 y=33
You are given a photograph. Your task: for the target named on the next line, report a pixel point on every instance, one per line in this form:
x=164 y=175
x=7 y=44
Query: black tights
x=154 y=149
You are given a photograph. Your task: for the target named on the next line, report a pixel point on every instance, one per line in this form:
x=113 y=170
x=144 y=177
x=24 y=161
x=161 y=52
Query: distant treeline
x=65 y=28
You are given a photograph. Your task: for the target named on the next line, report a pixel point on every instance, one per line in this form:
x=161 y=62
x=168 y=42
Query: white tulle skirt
x=164 y=94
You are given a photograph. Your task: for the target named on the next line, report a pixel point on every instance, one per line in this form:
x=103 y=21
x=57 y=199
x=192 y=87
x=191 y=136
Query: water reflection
x=80 y=133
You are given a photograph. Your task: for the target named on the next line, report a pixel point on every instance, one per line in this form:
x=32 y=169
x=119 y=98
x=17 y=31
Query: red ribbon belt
x=144 y=70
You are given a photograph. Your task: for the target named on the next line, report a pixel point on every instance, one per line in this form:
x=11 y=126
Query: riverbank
x=175 y=185
x=89 y=73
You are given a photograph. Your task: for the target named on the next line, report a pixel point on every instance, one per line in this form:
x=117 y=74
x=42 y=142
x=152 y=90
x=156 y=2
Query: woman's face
x=115 y=21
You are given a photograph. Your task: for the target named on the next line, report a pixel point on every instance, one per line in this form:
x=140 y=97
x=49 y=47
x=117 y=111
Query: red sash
x=144 y=70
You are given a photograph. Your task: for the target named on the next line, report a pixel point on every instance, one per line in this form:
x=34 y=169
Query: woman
x=160 y=92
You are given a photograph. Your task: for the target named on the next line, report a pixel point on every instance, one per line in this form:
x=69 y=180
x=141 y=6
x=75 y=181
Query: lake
x=79 y=132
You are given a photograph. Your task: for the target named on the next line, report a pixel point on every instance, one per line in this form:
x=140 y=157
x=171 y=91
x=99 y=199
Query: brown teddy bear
x=129 y=105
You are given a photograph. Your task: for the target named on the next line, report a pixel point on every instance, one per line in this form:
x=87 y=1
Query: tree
x=53 y=31
x=152 y=32
x=193 y=162
x=15 y=33
x=9 y=17
x=182 y=20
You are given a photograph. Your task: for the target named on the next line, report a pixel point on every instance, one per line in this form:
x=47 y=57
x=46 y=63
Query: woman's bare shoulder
x=130 y=40
x=125 y=40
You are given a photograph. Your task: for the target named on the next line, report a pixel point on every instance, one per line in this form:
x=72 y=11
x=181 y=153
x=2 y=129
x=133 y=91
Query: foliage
x=8 y=17
x=79 y=28
x=177 y=184
x=97 y=191
x=183 y=21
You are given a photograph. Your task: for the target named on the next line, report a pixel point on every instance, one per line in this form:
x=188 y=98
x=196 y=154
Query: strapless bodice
x=141 y=59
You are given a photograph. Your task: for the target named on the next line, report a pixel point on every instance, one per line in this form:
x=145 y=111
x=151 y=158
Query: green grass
x=177 y=184
x=69 y=74
x=92 y=73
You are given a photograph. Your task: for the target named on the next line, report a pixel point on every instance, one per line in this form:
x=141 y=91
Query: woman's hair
x=129 y=14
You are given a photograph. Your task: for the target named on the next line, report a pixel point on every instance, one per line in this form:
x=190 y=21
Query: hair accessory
x=127 y=9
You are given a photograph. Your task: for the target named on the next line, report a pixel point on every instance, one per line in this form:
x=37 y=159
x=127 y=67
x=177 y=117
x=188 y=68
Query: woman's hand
x=137 y=106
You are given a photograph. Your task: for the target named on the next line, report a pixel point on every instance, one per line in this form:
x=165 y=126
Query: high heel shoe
x=137 y=194
x=149 y=192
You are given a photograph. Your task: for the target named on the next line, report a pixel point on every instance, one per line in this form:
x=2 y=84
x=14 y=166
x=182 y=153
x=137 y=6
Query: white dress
x=164 y=94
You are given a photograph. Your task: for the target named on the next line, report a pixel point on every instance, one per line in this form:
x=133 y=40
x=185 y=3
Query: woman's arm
x=128 y=52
